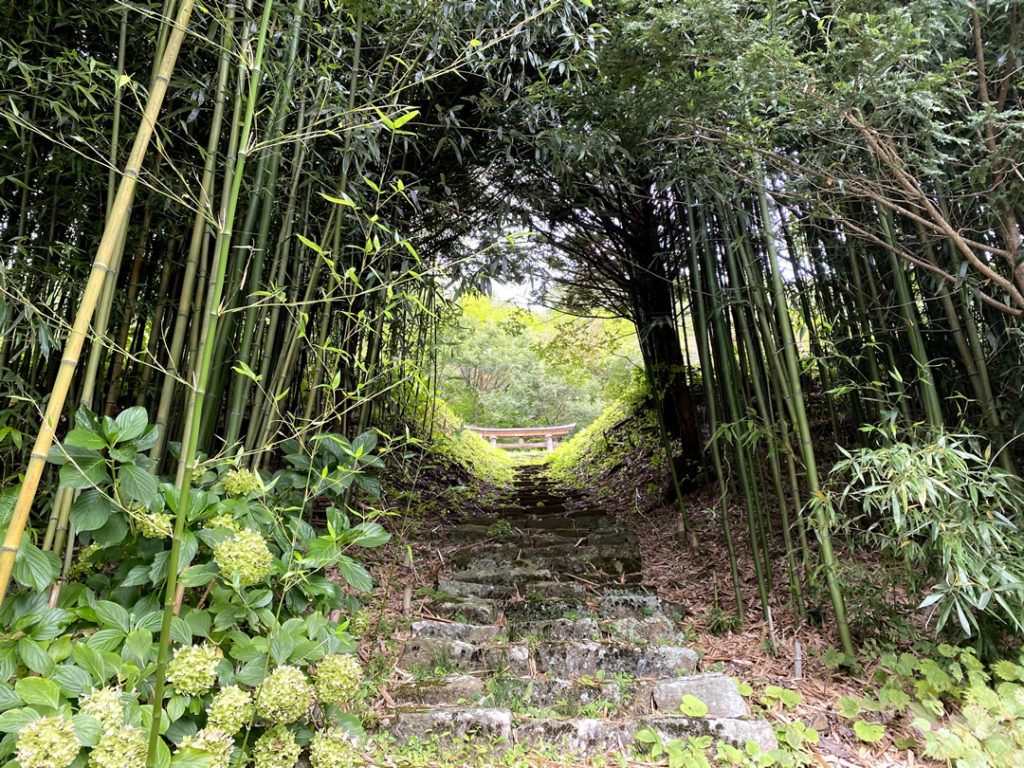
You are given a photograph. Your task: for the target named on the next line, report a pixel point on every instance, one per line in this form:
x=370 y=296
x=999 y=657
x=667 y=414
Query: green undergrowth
x=452 y=441
x=597 y=449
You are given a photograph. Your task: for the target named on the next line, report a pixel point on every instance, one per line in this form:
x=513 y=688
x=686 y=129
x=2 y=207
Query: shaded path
x=552 y=639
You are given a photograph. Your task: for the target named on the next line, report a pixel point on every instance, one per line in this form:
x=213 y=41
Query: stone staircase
x=551 y=640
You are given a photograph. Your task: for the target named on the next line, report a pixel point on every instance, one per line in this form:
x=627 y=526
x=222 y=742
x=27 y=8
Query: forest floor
x=690 y=570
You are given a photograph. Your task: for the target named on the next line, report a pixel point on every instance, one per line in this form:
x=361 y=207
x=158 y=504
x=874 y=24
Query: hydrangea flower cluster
x=358 y=623
x=333 y=749
x=230 y=710
x=284 y=696
x=241 y=482
x=49 y=742
x=217 y=743
x=120 y=747
x=245 y=554
x=276 y=749
x=105 y=705
x=337 y=678
x=156 y=525
x=84 y=564
x=193 y=670
x=223 y=520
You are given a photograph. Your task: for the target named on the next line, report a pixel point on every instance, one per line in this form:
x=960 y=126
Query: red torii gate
x=548 y=433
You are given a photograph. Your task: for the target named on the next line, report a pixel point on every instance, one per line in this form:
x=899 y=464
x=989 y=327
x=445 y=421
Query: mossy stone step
x=523 y=590
x=556 y=552
x=645 y=630
x=499 y=728
x=616 y=604
x=556 y=658
x=596 y=569
x=568 y=697
x=534 y=537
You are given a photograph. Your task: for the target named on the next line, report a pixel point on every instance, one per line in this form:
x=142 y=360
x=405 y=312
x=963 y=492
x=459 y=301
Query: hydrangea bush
x=254 y=669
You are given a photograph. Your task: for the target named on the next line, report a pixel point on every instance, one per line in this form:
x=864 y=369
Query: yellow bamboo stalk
x=118 y=218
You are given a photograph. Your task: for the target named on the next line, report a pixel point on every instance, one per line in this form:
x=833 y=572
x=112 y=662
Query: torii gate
x=548 y=433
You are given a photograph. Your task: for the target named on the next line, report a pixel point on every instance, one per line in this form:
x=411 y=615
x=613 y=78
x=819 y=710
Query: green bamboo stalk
x=188 y=453
x=926 y=382
x=768 y=419
x=711 y=403
x=726 y=363
x=114 y=226
x=803 y=428
x=199 y=239
x=148 y=357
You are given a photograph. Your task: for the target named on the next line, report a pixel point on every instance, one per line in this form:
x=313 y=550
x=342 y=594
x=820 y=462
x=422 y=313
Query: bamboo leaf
x=310 y=244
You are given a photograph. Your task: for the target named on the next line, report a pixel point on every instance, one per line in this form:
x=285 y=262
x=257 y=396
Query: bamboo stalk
x=100 y=267
x=807 y=446
x=202 y=374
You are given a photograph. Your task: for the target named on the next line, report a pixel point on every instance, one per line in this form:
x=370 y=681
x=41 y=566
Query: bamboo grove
x=248 y=218
x=257 y=266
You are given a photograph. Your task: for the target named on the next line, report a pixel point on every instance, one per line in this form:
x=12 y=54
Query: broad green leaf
x=87 y=729
x=131 y=423
x=369 y=535
x=137 y=484
x=90 y=510
x=106 y=640
x=14 y=720
x=139 y=644
x=83 y=438
x=8 y=698
x=354 y=574
x=84 y=472
x=37 y=691
x=112 y=615
x=34 y=657
x=112 y=532
x=190 y=757
x=35 y=568
x=868 y=732
x=692 y=706
x=73 y=681
x=849 y=707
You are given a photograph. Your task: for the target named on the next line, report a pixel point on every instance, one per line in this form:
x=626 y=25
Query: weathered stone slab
x=732 y=730
x=474 y=589
x=444 y=691
x=486 y=725
x=718 y=692
x=648 y=629
x=577 y=736
x=429 y=653
x=467 y=633
x=475 y=610
x=574 y=659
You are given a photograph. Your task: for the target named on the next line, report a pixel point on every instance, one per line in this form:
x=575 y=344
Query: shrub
x=951 y=519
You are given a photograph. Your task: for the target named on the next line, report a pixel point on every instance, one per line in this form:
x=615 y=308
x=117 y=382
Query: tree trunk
x=663 y=357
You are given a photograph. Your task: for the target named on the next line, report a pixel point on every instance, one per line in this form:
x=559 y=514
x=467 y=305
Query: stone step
x=579 y=521
x=645 y=630
x=537 y=591
x=497 y=728
x=616 y=604
x=494 y=570
x=534 y=537
x=570 y=697
x=554 y=552
x=556 y=658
